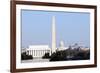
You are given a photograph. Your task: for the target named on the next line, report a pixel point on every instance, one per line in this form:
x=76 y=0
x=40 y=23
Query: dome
x=61 y=44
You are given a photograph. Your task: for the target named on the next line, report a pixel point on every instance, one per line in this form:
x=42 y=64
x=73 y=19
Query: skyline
x=71 y=27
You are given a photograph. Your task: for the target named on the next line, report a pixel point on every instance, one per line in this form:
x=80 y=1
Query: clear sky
x=71 y=27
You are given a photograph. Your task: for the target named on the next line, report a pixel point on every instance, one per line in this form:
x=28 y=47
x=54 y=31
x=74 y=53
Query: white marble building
x=61 y=46
x=38 y=50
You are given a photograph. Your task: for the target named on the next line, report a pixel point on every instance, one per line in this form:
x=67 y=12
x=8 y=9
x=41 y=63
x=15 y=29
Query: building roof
x=39 y=47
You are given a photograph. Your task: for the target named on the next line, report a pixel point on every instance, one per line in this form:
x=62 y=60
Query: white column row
x=37 y=53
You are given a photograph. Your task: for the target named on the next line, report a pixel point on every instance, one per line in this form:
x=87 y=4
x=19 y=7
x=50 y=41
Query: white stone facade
x=38 y=50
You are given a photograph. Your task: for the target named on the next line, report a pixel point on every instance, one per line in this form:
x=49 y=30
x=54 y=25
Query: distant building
x=85 y=49
x=61 y=46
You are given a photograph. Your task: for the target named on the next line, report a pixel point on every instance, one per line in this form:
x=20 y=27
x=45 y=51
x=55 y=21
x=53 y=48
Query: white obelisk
x=53 y=35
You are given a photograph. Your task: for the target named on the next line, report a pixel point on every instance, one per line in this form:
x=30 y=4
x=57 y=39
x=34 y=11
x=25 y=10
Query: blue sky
x=71 y=27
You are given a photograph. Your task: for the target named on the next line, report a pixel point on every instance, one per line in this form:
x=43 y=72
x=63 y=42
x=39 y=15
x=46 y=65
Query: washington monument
x=53 y=35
